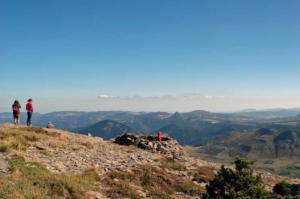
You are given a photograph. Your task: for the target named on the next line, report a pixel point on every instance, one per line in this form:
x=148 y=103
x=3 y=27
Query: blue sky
x=154 y=55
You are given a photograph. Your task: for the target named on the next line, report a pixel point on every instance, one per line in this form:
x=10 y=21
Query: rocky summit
x=54 y=163
x=168 y=146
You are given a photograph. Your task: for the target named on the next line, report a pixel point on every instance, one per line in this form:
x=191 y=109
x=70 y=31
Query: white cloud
x=179 y=102
x=208 y=97
x=103 y=96
x=188 y=96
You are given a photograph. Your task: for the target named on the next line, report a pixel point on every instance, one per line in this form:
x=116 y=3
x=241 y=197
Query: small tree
x=238 y=183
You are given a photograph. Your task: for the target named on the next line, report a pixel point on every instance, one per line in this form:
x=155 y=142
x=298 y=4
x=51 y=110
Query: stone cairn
x=168 y=146
x=50 y=125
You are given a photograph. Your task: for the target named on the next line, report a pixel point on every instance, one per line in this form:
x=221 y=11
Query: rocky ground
x=70 y=153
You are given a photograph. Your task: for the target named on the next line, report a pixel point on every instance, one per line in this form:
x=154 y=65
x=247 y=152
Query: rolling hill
x=277 y=150
x=107 y=129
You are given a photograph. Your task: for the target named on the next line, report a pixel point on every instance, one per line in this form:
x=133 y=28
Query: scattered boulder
x=50 y=125
x=3 y=166
x=168 y=146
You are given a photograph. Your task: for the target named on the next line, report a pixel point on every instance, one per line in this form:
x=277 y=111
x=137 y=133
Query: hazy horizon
x=171 y=112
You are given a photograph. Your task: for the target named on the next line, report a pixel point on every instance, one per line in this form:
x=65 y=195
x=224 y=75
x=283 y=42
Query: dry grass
x=88 y=145
x=32 y=180
x=56 y=134
x=57 y=144
x=40 y=130
x=154 y=181
x=130 y=149
x=203 y=174
x=75 y=147
x=120 y=188
x=35 y=129
x=171 y=164
x=20 y=139
x=46 y=153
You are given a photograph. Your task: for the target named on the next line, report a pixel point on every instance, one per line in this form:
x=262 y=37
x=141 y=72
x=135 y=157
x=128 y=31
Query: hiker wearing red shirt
x=159 y=137
x=29 y=109
x=16 y=112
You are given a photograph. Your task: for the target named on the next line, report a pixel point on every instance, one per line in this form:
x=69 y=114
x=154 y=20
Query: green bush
x=286 y=189
x=282 y=188
x=238 y=183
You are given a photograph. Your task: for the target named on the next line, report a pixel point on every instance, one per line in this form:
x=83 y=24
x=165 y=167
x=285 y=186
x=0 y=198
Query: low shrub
x=287 y=189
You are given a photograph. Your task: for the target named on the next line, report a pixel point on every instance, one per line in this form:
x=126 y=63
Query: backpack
x=15 y=108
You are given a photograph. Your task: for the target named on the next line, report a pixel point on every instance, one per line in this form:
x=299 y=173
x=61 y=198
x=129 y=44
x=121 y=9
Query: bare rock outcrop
x=168 y=146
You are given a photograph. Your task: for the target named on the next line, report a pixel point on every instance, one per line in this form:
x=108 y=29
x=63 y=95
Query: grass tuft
x=88 y=145
x=4 y=148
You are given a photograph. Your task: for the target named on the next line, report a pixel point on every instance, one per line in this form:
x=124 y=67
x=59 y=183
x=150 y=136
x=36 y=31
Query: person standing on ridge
x=29 y=109
x=16 y=112
x=159 y=136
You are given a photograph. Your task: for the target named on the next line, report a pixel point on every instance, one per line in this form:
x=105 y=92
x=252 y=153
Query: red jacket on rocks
x=29 y=107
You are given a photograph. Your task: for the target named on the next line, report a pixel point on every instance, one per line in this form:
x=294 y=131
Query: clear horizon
x=150 y=55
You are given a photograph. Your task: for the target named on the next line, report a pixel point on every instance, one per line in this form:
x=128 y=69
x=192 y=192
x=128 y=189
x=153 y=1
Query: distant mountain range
x=270 y=113
x=191 y=128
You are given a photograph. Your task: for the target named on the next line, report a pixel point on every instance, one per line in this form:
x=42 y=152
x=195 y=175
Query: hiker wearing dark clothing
x=16 y=112
x=29 y=109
